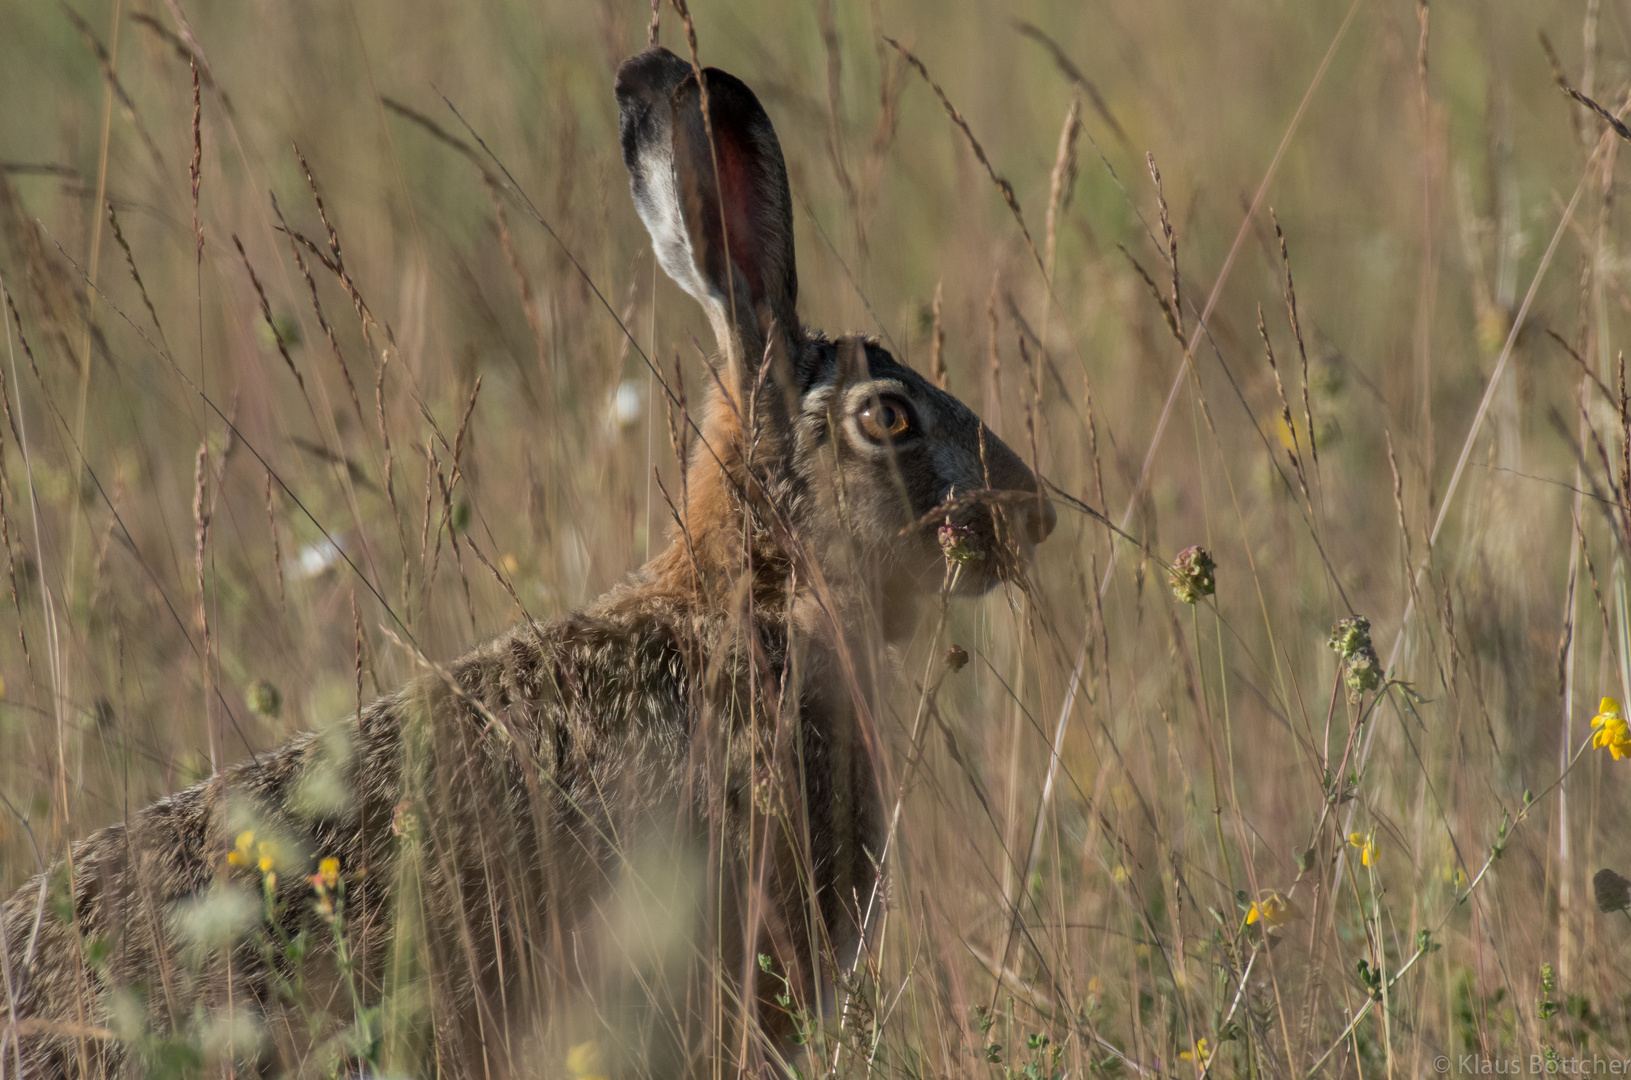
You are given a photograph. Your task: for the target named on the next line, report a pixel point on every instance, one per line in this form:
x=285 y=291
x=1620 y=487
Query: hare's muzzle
x=1001 y=531
x=1037 y=519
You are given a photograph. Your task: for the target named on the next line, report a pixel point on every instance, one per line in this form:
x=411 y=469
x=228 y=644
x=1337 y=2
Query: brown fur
x=714 y=709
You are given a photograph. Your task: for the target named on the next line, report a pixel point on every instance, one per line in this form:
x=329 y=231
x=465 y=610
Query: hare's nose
x=1040 y=518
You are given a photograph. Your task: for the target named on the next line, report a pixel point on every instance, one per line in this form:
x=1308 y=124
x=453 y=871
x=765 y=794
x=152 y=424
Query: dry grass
x=384 y=402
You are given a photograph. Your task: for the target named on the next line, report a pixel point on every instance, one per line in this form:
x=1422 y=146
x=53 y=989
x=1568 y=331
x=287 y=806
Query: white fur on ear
x=657 y=200
x=713 y=195
x=656 y=189
x=645 y=96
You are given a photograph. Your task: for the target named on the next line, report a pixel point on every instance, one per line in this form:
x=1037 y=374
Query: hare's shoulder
x=610 y=668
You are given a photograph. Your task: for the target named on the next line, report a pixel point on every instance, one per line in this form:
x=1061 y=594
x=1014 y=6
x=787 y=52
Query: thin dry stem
x=937 y=339
x=1001 y=182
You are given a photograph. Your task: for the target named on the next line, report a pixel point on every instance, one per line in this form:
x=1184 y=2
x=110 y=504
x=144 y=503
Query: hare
x=500 y=828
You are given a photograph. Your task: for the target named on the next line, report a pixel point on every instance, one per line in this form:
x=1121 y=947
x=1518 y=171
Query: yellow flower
x=583 y=1061
x=1272 y=910
x=246 y=852
x=1612 y=732
x=239 y=855
x=1456 y=876
x=328 y=873
x=1201 y=1054
x=1366 y=843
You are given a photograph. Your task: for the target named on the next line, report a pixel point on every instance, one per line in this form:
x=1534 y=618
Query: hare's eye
x=886 y=419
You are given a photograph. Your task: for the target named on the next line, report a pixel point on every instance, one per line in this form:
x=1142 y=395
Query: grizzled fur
x=715 y=707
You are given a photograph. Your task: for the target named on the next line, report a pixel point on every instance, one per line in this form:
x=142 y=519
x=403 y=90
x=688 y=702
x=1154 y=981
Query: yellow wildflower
x=239 y=855
x=1200 y=1055
x=583 y=1062
x=1272 y=910
x=1456 y=876
x=1366 y=843
x=328 y=873
x=1612 y=733
x=246 y=852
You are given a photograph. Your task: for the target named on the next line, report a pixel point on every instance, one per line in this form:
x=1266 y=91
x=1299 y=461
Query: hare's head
x=858 y=454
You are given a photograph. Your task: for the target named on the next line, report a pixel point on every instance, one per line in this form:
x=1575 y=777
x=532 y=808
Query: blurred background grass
x=1429 y=163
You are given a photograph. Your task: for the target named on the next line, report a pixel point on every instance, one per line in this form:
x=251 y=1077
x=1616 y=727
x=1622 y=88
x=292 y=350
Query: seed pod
x=263 y=699
x=1612 y=892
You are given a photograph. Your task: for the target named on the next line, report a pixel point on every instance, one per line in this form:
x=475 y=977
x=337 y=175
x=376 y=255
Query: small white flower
x=628 y=404
x=313 y=559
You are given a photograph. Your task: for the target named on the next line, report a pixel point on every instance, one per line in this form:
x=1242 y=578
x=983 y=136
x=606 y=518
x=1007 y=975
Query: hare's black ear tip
x=649 y=75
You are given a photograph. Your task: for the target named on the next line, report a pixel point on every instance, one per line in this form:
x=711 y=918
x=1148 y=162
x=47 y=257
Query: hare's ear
x=714 y=197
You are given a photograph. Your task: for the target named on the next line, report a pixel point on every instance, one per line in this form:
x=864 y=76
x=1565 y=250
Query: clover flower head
x=1193 y=574
x=1350 y=640
x=404 y=822
x=1611 y=734
x=956 y=544
x=1350 y=636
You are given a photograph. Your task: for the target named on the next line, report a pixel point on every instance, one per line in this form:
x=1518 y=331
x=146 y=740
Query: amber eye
x=886 y=419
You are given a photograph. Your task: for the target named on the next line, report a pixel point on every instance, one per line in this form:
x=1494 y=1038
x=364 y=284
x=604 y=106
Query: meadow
x=333 y=346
